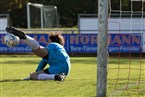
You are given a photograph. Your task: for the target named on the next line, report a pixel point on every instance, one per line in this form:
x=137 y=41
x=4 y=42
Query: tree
x=16 y=11
x=8 y=5
x=68 y=9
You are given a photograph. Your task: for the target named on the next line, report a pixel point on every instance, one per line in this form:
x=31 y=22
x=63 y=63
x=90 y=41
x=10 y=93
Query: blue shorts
x=56 y=70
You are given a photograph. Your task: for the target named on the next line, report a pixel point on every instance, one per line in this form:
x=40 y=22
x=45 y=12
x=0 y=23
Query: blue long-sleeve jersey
x=58 y=60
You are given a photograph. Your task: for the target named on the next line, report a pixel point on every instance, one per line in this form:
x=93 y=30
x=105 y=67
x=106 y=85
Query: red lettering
x=84 y=39
x=126 y=39
x=2 y=37
x=42 y=39
x=116 y=40
x=93 y=39
x=74 y=39
x=135 y=39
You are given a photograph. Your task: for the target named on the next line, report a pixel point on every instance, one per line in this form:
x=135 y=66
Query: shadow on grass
x=20 y=62
x=12 y=80
x=16 y=80
x=20 y=80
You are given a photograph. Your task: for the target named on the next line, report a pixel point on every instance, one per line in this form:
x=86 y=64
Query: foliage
x=68 y=9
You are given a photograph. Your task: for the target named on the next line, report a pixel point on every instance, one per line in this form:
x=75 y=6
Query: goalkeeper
x=53 y=54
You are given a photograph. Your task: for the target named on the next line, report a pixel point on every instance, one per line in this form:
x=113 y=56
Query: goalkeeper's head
x=56 y=37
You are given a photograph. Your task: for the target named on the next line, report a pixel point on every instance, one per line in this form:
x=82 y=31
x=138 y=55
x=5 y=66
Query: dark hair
x=57 y=37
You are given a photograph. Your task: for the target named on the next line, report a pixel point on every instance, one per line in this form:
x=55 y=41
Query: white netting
x=35 y=16
x=42 y=16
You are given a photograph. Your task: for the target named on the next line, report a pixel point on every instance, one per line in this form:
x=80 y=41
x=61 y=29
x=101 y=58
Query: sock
x=45 y=76
x=32 y=43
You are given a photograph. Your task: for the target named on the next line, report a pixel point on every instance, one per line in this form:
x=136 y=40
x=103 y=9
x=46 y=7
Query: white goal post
x=102 y=48
x=42 y=16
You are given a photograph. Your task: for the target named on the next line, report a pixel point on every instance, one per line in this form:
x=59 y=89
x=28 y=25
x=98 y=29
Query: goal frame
x=102 y=48
x=28 y=13
x=44 y=18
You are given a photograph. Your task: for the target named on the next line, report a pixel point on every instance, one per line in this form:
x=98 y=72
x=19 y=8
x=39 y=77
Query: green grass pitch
x=80 y=83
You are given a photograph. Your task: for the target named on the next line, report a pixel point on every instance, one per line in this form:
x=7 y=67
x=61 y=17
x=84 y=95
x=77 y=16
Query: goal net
x=126 y=72
x=42 y=16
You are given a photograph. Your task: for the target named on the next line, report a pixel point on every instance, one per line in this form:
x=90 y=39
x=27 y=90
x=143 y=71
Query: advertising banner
x=82 y=43
x=22 y=47
x=125 y=43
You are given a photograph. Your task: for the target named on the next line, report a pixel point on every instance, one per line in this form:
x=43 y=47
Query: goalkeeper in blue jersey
x=53 y=54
